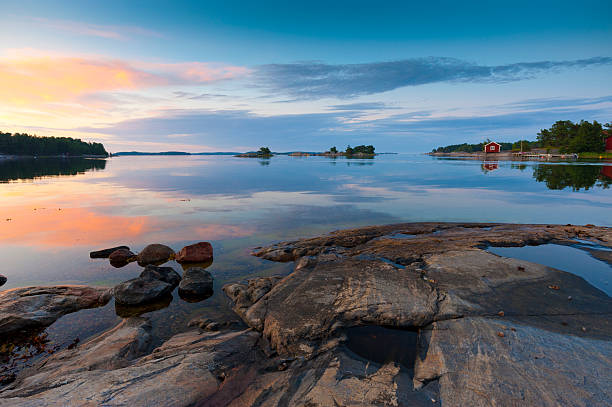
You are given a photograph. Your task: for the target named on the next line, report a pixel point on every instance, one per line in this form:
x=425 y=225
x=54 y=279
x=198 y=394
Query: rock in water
x=141 y=290
x=2 y=280
x=165 y=274
x=104 y=253
x=121 y=257
x=154 y=254
x=196 y=285
x=38 y=307
x=201 y=252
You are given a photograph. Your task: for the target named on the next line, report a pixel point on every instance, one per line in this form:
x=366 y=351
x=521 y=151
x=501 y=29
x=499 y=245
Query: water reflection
x=30 y=168
x=576 y=177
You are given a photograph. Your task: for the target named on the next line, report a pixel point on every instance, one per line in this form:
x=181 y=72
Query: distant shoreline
x=22 y=156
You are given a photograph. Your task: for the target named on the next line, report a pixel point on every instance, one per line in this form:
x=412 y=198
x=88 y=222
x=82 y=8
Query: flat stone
x=104 y=253
x=38 y=307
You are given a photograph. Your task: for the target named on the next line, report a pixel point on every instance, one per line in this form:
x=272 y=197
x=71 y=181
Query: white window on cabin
x=492 y=148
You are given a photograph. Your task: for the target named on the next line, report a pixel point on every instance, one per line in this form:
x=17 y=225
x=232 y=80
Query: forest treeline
x=26 y=144
x=564 y=135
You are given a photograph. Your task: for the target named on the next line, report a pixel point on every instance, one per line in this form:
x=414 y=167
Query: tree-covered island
x=564 y=136
x=21 y=144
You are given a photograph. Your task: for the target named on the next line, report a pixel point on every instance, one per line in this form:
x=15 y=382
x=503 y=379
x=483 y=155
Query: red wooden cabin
x=492 y=147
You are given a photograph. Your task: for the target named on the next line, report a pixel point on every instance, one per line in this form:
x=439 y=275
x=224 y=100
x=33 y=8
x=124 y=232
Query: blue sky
x=209 y=76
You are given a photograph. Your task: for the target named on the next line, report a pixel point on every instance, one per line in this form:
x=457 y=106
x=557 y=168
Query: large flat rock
x=38 y=307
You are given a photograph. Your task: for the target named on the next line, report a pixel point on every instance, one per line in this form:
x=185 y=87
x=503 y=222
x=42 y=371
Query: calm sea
x=54 y=212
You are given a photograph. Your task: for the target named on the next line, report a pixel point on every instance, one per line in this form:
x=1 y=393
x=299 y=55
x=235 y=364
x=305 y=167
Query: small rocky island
x=416 y=314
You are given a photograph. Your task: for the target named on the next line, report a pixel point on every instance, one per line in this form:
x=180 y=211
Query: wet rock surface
x=23 y=309
x=154 y=254
x=483 y=330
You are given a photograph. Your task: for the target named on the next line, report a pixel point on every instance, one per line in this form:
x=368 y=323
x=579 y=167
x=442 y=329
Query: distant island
x=21 y=144
x=586 y=139
x=361 y=151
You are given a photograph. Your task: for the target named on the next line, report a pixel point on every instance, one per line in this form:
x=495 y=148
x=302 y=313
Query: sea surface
x=53 y=212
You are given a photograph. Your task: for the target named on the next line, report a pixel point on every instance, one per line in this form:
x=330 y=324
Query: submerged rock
x=201 y=252
x=121 y=257
x=3 y=280
x=155 y=254
x=38 y=307
x=196 y=285
x=104 y=253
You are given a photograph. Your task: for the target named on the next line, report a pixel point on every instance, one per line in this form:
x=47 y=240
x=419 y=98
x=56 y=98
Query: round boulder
x=140 y=291
x=2 y=280
x=201 y=252
x=196 y=285
x=154 y=254
x=121 y=257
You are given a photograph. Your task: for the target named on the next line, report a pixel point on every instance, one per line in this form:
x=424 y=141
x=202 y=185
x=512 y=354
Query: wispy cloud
x=313 y=80
x=96 y=30
x=40 y=78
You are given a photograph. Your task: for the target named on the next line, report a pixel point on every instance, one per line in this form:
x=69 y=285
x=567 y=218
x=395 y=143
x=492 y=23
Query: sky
x=237 y=75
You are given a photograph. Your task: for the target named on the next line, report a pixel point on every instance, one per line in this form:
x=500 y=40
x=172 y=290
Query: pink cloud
x=38 y=78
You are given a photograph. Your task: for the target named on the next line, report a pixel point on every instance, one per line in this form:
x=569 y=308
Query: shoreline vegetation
x=26 y=145
x=564 y=139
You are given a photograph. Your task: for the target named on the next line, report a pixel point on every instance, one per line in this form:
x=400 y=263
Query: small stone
x=501 y=334
x=155 y=254
x=213 y=326
x=569 y=297
x=121 y=257
x=521 y=268
x=501 y=313
x=201 y=252
x=196 y=285
x=554 y=287
x=141 y=290
x=584 y=329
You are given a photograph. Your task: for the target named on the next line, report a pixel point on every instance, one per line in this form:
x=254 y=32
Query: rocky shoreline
x=461 y=327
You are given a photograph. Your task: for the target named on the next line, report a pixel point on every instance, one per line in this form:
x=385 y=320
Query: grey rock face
x=38 y=307
x=197 y=283
x=155 y=254
x=490 y=331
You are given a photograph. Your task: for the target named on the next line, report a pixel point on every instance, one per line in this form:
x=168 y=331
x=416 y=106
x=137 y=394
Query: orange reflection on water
x=69 y=226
